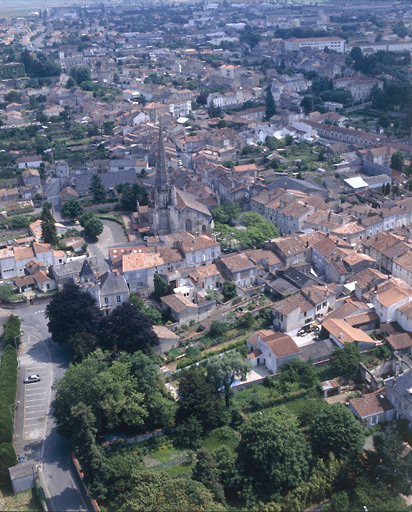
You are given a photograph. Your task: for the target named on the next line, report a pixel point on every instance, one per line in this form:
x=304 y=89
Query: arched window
x=189 y=225
x=203 y=229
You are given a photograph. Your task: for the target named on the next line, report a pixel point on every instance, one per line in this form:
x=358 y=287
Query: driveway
x=36 y=434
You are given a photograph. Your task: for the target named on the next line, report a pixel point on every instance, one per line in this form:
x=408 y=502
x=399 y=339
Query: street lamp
x=15 y=344
x=11 y=416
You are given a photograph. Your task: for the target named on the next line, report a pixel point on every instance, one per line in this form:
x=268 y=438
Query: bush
x=8 y=386
x=218 y=328
x=11 y=331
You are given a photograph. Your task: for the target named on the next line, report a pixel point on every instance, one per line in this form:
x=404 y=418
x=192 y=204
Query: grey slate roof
x=110 y=179
x=111 y=282
x=317 y=351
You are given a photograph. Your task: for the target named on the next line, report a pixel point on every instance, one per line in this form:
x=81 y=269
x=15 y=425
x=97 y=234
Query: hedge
x=12 y=329
x=8 y=386
x=7 y=460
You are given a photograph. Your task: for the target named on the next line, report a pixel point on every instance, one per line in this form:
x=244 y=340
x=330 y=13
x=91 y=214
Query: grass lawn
x=24 y=501
x=221 y=437
x=163 y=457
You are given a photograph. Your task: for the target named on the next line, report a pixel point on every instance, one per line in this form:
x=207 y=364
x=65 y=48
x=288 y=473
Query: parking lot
x=36 y=402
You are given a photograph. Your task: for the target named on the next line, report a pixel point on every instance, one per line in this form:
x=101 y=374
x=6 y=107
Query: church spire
x=162 y=175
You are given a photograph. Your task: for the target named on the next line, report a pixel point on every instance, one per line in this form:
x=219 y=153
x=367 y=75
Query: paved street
x=112 y=235
x=36 y=434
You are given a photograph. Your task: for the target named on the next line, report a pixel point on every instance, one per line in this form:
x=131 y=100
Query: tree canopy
x=274 y=453
x=71 y=311
x=199 y=399
x=345 y=361
x=335 y=429
x=127 y=329
x=48 y=226
x=155 y=491
x=72 y=209
x=97 y=189
x=128 y=391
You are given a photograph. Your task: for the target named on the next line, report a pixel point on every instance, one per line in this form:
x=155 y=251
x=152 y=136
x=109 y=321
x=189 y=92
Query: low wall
x=92 y=502
x=134 y=439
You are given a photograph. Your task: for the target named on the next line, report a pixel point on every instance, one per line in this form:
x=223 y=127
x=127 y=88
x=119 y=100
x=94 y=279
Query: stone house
x=113 y=291
x=238 y=268
x=184 y=311
x=373 y=408
x=399 y=393
x=303 y=308
x=400 y=343
x=271 y=349
x=341 y=332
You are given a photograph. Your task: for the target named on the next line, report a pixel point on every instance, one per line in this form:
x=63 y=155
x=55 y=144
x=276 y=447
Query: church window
x=189 y=225
x=203 y=229
x=106 y=300
x=118 y=299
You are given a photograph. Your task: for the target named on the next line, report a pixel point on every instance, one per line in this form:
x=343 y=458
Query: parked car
x=32 y=378
x=21 y=458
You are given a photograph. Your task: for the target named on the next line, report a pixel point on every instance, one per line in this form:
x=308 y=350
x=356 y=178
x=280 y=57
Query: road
x=112 y=236
x=52 y=191
x=36 y=434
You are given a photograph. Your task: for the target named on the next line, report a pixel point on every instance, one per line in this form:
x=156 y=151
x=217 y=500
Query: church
x=173 y=210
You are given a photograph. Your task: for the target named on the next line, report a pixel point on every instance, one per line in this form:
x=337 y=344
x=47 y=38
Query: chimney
x=329 y=215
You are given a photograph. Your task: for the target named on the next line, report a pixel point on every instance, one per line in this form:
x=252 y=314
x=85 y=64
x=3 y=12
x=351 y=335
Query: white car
x=32 y=378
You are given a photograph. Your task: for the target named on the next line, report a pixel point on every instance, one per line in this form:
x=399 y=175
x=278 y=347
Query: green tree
x=298 y=372
x=388 y=464
x=81 y=74
x=72 y=209
x=6 y=292
x=270 y=104
x=81 y=344
x=205 y=471
x=108 y=127
x=189 y=434
x=218 y=328
x=127 y=329
x=70 y=83
x=97 y=189
x=71 y=311
x=12 y=97
x=226 y=213
x=160 y=286
x=48 y=226
x=307 y=104
x=93 y=227
x=336 y=430
x=246 y=321
x=153 y=313
x=229 y=290
x=273 y=453
x=127 y=391
x=397 y=161
x=223 y=370
x=198 y=399
x=133 y=194
x=155 y=491
x=345 y=361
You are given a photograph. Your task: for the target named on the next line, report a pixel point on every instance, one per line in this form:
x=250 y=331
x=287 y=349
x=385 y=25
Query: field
x=22 y=7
